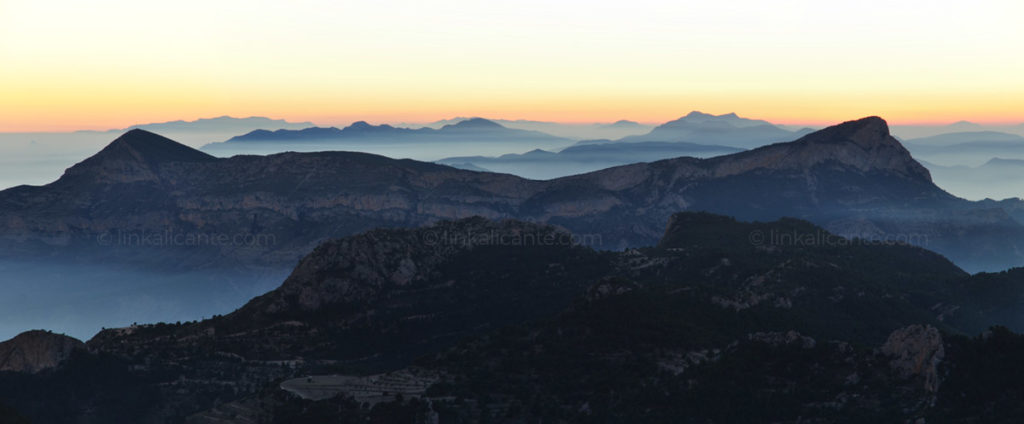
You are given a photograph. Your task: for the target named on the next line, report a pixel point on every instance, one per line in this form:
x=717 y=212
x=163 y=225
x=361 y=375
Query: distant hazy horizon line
x=412 y=123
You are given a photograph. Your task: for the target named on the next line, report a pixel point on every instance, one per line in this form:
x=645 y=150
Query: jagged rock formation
x=917 y=350
x=34 y=351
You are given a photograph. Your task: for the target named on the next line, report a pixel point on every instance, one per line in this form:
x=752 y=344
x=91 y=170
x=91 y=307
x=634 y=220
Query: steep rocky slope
x=34 y=351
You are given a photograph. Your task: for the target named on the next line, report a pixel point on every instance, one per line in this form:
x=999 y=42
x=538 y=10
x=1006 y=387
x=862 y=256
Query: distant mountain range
x=996 y=179
x=922 y=131
x=37 y=158
x=614 y=130
x=206 y=130
x=696 y=135
x=967 y=148
x=468 y=135
x=854 y=179
x=724 y=130
x=583 y=158
x=218 y=125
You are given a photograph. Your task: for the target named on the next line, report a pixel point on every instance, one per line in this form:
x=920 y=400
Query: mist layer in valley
x=81 y=299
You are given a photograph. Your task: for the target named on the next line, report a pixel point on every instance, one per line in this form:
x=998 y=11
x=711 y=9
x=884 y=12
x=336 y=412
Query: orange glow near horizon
x=115 y=63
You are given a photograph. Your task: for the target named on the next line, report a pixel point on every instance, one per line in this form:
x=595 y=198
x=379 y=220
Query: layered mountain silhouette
x=583 y=158
x=853 y=178
x=696 y=134
x=725 y=130
x=968 y=148
x=997 y=178
x=584 y=131
x=473 y=130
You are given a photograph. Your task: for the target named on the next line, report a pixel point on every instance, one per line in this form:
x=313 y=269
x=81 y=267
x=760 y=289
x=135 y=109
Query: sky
x=67 y=65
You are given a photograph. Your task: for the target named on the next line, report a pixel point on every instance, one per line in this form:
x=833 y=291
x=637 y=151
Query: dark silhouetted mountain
x=136 y=155
x=35 y=351
x=852 y=178
x=503 y=317
x=311 y=133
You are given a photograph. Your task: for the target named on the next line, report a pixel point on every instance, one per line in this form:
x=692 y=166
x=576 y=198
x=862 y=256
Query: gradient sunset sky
x=101 y=64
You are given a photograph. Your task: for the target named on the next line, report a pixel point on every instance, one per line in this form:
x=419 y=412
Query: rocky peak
x=144 y=146
x=867 y=133
x=864 y=145
x=360 y=267
x=135 y=156
x=37 y=350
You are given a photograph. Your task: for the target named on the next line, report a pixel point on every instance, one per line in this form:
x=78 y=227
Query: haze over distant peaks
x=725 y=130
x=966 y=137
x=623 y=123
x=473 y=136
x=219 y=123
x=576 y=131
x=475 y=123
x=728 y=119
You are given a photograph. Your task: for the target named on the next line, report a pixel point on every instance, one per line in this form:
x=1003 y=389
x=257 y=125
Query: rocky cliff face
x=271 y=210
x=917 y=350
x=864 y=145
x=34 y=351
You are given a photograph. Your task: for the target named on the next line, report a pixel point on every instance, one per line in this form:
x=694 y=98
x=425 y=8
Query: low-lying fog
x=80 y=299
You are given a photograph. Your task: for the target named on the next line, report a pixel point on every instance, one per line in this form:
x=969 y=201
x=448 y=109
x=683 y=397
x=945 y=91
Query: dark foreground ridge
x=418 y=324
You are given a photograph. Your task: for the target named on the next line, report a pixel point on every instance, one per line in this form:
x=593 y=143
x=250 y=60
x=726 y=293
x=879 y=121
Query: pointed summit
x=134 y=156
x=152 y=148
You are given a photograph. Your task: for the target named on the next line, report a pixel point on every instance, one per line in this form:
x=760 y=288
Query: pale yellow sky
x=111 y=63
